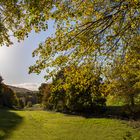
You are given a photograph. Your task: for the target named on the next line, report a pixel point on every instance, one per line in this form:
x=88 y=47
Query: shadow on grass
x=113 y=112
x=124 y=112
x=8 y=122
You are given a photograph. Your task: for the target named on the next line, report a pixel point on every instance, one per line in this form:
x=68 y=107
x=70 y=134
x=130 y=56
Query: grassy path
x=41 y=125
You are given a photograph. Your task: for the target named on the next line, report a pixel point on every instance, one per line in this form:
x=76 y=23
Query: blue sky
x=15 y=60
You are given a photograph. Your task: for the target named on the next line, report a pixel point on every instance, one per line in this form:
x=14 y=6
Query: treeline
x=27 y=99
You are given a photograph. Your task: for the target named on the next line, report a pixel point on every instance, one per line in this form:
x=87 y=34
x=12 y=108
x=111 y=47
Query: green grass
x=42 y=125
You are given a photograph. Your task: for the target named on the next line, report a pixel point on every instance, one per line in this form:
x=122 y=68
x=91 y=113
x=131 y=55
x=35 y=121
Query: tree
x=9 y=20
x=87 y=31
x=7 y=97
x=77 y=89
x=99 y=32
x=44 y=93
x=19 y=17
x=125 y=75
x=1 y=79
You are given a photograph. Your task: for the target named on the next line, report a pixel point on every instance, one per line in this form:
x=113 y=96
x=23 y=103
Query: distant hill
x=20 y=90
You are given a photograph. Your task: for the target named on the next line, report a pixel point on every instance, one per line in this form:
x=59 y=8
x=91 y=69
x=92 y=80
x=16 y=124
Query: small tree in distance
x=1 y=79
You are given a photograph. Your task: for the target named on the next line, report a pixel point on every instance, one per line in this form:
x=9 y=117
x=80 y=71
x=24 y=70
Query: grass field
x=42 y=125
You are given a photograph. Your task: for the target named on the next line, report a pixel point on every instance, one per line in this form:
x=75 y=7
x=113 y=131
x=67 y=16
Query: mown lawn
x=42 y=125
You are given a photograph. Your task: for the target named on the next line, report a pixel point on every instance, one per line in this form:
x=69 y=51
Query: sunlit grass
x=42 y=125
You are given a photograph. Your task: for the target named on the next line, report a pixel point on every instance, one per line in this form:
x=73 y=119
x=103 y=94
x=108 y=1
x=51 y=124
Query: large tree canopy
x=19 y=17
x=88 y=31
x=96 y=31
x=9 y=13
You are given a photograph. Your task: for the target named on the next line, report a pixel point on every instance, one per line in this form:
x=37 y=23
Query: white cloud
x=30 y=86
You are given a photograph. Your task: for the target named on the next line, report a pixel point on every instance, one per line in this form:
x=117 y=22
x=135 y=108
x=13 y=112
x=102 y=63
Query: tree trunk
x=132 y=104
x=132 y=101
